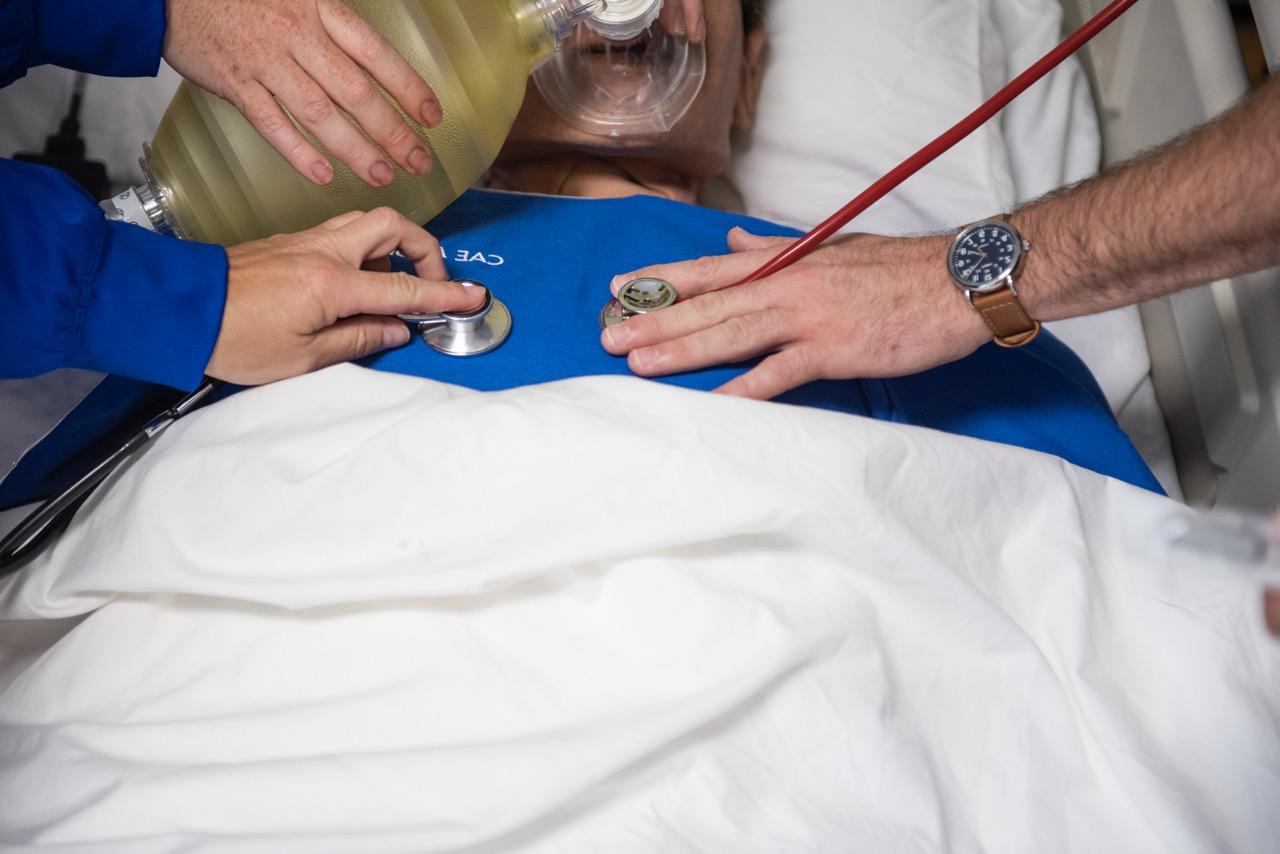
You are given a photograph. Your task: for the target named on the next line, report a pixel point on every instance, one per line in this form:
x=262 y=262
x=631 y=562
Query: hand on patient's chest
x=550 y=261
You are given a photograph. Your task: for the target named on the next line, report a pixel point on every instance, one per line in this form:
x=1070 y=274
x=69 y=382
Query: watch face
x=983 y=256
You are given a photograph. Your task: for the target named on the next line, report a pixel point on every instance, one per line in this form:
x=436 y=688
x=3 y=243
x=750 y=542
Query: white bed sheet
x=365 y=612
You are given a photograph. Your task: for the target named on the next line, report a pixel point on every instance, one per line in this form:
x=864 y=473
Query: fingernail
x=419 y=161
x=478 y=296
x=649 y=360
x=699 y=30
x=616 y=338
x=381 y=173
x=678 y=25
x=472 y=289
x=394 y=335
x=431 y=113
x=322 y=172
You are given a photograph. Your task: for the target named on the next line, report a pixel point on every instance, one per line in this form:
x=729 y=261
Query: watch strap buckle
x=1004 y=315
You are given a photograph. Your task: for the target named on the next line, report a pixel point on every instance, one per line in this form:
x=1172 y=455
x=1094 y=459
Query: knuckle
x=317 y=274
x=706 y=267
x=336 y=15
x=358 y=90
x=315 y=297
x=399 y=136
x=386 y=218
x=269 y=120
x=709 y=307
x=774 y=323
x=317 y=109
x=741 y=328
x=362 y=343
x=369 y=45
x=405 y=283
x=798 y=363
x=282 y=15
x=299 y=150
x=235 y=99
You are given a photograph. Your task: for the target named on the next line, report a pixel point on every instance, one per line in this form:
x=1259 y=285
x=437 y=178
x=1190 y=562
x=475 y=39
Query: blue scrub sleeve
x=117 y=38
x=77 y=290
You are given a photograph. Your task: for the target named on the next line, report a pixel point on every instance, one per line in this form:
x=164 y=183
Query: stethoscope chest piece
x=464 y=333
x=639 y=296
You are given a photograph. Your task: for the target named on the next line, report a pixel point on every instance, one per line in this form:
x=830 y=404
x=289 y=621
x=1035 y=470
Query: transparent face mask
x=608 y=82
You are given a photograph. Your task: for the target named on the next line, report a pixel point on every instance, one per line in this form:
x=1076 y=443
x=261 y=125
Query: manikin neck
x=592 y=177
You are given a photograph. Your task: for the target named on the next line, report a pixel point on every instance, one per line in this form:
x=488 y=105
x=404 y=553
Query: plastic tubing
x=942 y=144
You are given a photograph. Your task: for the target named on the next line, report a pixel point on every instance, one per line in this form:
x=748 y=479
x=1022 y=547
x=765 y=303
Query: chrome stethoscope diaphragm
x=639 y=296
x=468 y=333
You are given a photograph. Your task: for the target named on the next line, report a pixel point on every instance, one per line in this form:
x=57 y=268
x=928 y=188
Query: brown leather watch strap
x=1008 y=320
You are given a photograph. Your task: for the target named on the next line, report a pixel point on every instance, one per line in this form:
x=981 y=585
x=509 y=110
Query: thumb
x=362 y=292
x=741 y=240
x=357 y=337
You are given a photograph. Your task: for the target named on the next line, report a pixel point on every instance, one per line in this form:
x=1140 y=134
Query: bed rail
x=1267 y=15
x=1168 y=66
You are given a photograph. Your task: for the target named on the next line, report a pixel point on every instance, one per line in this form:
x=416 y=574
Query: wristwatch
x=985 y=261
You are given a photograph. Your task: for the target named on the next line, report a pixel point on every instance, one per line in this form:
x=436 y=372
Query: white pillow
x=852 y=87
x=118 y=115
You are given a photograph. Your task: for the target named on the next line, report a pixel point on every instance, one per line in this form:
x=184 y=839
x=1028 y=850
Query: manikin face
x=698 y=145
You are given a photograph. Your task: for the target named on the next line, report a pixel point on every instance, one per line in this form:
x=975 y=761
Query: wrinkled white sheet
x=364 y=612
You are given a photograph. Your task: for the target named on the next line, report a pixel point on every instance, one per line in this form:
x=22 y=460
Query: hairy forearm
x=1202 y=208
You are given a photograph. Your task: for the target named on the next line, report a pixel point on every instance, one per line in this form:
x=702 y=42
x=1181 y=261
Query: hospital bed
x=951 y=660
x=1194 y=382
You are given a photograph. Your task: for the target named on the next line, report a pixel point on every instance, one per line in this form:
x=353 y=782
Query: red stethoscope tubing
x=942 y=144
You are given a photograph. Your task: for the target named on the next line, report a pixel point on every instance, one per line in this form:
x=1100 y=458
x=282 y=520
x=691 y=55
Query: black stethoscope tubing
x=43 y=525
